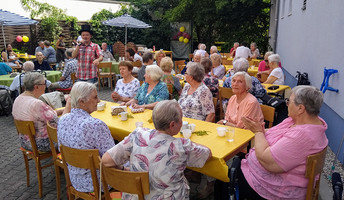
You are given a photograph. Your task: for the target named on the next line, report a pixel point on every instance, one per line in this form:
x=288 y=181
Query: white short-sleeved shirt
x=242 y=52
x=128 y=90
x=278 y=73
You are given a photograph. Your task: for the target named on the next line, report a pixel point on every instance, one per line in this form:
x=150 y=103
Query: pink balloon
x=188 y=36
x=180 y=33
x=19 y=38
x=185 y=34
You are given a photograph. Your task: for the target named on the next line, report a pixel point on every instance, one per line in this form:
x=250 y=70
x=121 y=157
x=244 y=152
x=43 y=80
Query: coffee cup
x=139 y=124
x=185 y=125
x=221 y=131
x=187 y=133
x=192 y=127
x=124 y=116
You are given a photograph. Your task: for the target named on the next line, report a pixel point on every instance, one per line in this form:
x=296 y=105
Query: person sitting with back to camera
x=166 y=180
x=166 y=65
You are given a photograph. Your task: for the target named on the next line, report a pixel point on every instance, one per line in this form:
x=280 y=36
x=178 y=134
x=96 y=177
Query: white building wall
x=311 y=39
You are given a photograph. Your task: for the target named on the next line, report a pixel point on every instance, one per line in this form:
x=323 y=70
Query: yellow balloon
x=25 y=38
x=186 y=40
x=181 y=39
x=182 y=29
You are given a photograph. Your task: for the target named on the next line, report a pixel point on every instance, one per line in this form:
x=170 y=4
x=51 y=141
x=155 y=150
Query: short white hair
x=81 y=91
x=203 y=47
x=274 y=58
x=215 y=58
x=247 y=77
x=28 y=66
x=154 y=72
x=240 y=65
x=213 y=48
x=165 y=112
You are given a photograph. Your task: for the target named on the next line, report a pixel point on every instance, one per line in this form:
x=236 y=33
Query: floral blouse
x=212 y=83
x=170 y=79
x=197 y=105
x=159 y=93
x=28 y=108
x=128 y=90
x=164 y=157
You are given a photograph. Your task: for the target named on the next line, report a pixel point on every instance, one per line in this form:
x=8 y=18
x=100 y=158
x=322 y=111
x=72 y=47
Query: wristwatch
x=224 y=122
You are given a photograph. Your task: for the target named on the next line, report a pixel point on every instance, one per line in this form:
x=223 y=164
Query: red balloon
x=188 y=36
x=19 y=38
x=185 y=34
x=175 y=37
x=180 y=33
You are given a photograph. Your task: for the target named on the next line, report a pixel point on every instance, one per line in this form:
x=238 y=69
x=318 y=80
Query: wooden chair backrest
x=137 y=63
x=227 y=62
x=126 y=181
x=170 y=90
x=73 y=77
x=27 y=128
x=314 y=166
x=215 y=104
x=141 y=82
x=81 y=158
x=225 y=93
x=190 y=56
x=104 y=65
x=179 y=64
x=263 y=77
x=227 y=55
x=269 y=114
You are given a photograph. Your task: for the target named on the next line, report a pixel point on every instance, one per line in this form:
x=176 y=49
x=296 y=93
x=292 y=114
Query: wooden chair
x=81 y=158
x=137 y=63
x=227 y=55
x=125 y=181
x=102 y=74
x=215 y=104
x=314 y=166
x=190 y=56
x=67 y=90
x=224 y=93
x=269 y=114
x=263 y=77
x=227 y=62
x=141 y=82
x=27 y=128
x=58 y=163
x=179 y=64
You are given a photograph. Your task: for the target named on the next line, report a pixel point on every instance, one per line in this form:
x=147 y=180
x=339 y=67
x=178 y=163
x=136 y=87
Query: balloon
x=188 y=36
x=175 y=37
x=182 y=29
x=19 y=38
x=180 y=33
x=185 y=34
x=181 y=39
x=186 y=40
x=25 y=38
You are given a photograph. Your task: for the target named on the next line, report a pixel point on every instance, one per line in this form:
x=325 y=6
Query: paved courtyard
x=13 y=176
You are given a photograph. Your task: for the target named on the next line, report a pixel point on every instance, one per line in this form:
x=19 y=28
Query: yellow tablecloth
x=284 y=89
x=52 y=76
x=28 y=57
x=221 y=149
x=252 y=72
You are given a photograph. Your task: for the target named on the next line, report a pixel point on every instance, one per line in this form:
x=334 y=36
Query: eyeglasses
x=45 y=83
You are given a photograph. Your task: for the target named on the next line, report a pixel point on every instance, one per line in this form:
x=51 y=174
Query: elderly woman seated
x=218 y=70
x=242 y=65
x=151 y=91
x=276 y=76
x=166 y=65
x=211 y=82
x=166 y=180
x=271 y=172
x=196 y=99
x=242 y=104
x=254 y=50
x=27 y=107
x=81 y=131
x=126 y=88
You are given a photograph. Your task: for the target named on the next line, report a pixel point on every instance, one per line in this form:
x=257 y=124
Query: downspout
x=276 y=24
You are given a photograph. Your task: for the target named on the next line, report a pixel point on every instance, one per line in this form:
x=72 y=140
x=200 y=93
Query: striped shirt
x=87 y=54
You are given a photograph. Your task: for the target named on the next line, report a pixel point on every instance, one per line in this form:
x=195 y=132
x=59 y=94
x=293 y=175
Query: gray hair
x=195 y=70
x=254 y=44
x=207 y=64
x=166 y=64
x=309 y=96
x=154 y=72
x=247 y=77
x=28 y=66
x=31 y=79
x=81 y=91
x=268 y=53
x=69 y=52
x=236 y=43
x=203 y=47
x=274 y=58
x=38 y=52
x=213 y=48
x=215 y=58
x=240 y=65
x=166 y=112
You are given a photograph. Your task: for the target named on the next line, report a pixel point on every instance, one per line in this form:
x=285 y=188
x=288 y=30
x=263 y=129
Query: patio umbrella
x=11 y=19
x=126 y=21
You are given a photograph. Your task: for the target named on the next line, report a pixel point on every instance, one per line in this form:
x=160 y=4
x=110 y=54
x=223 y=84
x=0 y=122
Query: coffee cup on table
x=124 y=116
x=139 y=124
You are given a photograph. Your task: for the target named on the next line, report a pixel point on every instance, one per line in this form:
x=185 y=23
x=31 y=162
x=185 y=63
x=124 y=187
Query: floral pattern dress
x=212 y=83
x=164 y=157
x=128 y=90
x=197 y=105
x=159 y=93
x=171 y=79
x=28 y=108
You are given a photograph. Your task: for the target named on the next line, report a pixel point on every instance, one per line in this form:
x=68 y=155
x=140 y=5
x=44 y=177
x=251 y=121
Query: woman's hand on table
x=253 y=126
x=115 y=96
